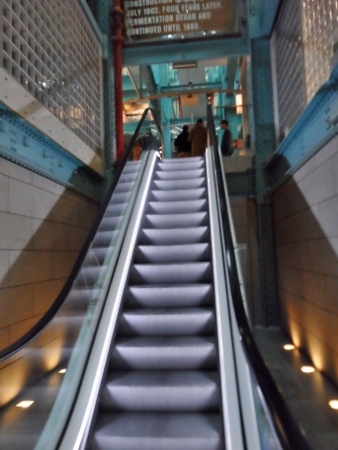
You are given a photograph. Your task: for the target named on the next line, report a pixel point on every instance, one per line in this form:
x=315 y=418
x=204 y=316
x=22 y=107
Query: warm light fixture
x=25 y=404
x=185 y=65
x=307 y=369
x=333 y=404
x=239 y=103
x=289 y=347
x=63 y=371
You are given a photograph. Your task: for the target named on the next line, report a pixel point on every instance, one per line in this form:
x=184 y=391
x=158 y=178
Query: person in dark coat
x=198 y=138
x=182 y=143
x=226 y=144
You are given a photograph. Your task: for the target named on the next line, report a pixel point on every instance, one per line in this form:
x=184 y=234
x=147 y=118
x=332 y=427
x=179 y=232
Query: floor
x=307 y=394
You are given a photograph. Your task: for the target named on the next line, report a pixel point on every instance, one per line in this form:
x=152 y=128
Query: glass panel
x=268 y=437
x=37 y=372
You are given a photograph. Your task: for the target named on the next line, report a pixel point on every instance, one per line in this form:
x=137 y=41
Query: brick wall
x=42 y=229
x=306 y=232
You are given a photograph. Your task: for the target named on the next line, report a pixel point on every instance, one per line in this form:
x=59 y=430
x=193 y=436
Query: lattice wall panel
x=50 y=48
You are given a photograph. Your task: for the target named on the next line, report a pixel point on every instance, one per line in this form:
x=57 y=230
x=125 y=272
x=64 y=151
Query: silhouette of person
x=198 y=138
x=226 y=144
x=182 y=143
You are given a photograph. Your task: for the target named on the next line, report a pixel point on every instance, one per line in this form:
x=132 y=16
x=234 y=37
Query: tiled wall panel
x=42 y=229
x=306 y=234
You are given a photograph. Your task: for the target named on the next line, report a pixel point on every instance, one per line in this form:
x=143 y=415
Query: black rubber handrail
x=54 y=308
x=288 y=432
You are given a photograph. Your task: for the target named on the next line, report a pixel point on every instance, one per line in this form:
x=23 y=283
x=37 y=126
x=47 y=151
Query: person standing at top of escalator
x=198 y=138
x=226 y=144
x=182 y=143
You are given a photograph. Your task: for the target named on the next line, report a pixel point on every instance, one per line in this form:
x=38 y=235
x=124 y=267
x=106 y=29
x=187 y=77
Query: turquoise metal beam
x=169 y=51
x=262 y=14
x=268 y=16
x=232 y=66
x=180 y=88
x=264 y=143
x=26 y=146
x=315 y=128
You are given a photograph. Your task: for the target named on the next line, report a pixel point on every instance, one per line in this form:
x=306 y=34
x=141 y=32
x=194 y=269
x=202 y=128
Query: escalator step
x=167 y=322
x=177 y=207
x=165 y=352
x=159 y=431
x=175 y=220
x=176 y=165
x=172 y=236
x=172 y=253
x=188 y=295
x=193 y=183
x=161 y=391
x=179 y=174
x=177 y=194
x=195 y=272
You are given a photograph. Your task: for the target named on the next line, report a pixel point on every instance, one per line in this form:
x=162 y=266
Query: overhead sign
x=147 y=19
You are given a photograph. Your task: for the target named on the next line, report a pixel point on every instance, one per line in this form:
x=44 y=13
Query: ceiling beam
x=170 y=51
x=185 y=92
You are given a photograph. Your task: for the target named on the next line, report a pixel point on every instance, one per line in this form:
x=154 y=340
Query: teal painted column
x=165 y=123
x=264 y=143
x=165 y=112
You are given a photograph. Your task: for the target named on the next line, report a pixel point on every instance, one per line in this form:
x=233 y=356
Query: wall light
x=239 y=103
x=333 y=404
x=289 y=347
x=307 y=369
x=25 y=404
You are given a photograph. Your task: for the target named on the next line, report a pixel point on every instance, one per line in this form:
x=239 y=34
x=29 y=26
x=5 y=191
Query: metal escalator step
x=89 y=275
x=178 y=194
x=176 y=207
x=80 y=297
x=158 y=431
x=105 y=238
x=175 y=220
x=172 y=253
x=164 y=352
x=177 y=273
x=124 y=186
x=102 y=254
x=131 y=166
x=188 y=295
x=110 y=223
x=116 y=209
x=167 y=322
x=174 y=236
x=161 y=391
x=120 y=197
x=182 y=164
x=179 y=174
x=179 y=184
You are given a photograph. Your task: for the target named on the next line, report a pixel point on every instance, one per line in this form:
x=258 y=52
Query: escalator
x=162 y=389
x=151 y=329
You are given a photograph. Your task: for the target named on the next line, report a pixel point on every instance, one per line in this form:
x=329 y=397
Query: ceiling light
x=333 y=404
x=288 y=347
x=25 y=404
x=307 y=369
x=63 y=371
x=185 y=65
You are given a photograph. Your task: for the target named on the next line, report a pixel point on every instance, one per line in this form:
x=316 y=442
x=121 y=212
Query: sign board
x=148 y=19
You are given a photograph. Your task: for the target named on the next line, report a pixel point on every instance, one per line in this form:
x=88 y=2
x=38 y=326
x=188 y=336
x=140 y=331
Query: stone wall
x=306 y=234
x=42 y=229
